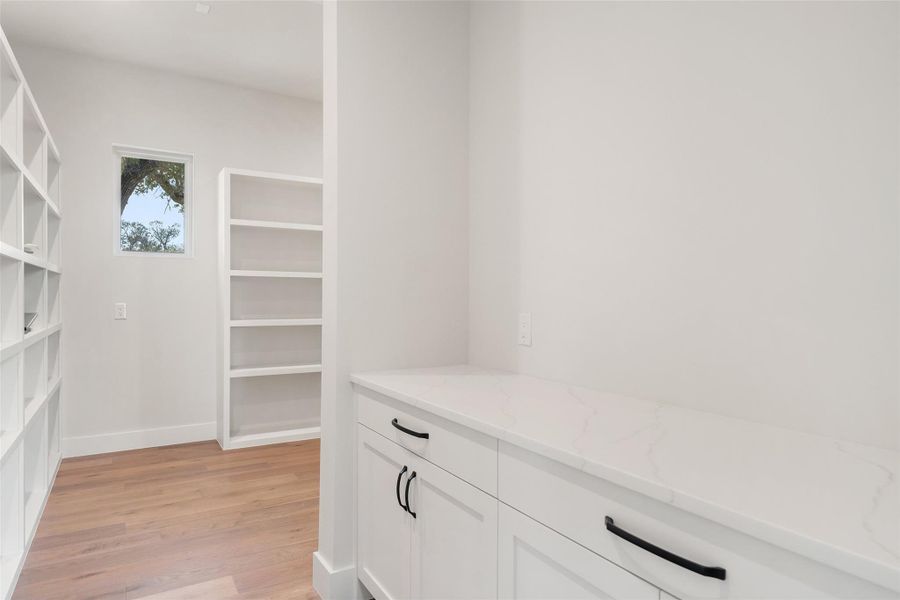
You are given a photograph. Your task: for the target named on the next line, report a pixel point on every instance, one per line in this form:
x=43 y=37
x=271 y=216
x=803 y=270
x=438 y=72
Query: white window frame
x=120 y=151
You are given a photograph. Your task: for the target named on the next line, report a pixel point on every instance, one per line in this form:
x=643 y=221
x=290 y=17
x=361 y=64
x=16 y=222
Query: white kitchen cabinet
x=405 y=553
x=496 y=519
x=455 y=524
x=469 y=455
x=536 y=563
x=384 y=526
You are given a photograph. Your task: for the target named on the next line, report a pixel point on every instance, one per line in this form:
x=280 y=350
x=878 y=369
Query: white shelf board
x=39 y=189
x=274 y=437
x=16 y=163
x=34 y=261
x=277 y=274
x=274 y=225
x=27 y=340
x=29 y=259
x=10 y=348
x=275 y=176
x=37 y=404
x=39 y=334
x=51 y=205
x=281 y=370
x=275 y=322
x=11 y=251
x=31 y=409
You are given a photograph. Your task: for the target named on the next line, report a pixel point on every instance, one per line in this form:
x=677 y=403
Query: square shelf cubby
x=34 y=144
x=34 y=378
x=10 y=203
x=52 y=357
x=35 y=467
x=53 y=184
x=10 y=401
x=33 y=298
x=275 y=346
x=266 y=249
x=54 y=312
x=10 y=301
x=53 y=239
x=12 y=534
x=34 y=210
x=265 y=199
x=10 y=108
x=273 y=298
x=261 y=405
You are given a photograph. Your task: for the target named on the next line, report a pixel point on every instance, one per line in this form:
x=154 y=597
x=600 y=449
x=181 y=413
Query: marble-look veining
x=833 y=501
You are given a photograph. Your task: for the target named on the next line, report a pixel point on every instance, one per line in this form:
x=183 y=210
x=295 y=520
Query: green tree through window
x=152 y=205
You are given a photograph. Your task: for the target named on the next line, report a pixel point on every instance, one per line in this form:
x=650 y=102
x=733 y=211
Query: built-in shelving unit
x=30 y=284
x=270 y=309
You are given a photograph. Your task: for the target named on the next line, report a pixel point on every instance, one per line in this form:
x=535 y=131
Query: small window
x=153 y=202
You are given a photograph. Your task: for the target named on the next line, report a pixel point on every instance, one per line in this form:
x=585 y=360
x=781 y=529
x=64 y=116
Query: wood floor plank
x=178 y=523
x=221 y=589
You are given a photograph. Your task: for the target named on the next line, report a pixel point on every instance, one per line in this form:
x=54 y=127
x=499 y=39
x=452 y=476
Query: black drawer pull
x=399 y=477
x=409 y=481
x=714 y=572
x=424 y=436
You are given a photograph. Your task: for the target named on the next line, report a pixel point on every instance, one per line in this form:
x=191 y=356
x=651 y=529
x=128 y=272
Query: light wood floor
x=176 y=523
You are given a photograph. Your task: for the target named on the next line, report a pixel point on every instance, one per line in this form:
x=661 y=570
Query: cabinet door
x=454 y=549
x=383 y=526
x=539 y=564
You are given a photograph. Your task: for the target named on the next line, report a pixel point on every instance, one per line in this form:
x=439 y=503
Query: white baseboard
x=141 y=438
x=335 y=584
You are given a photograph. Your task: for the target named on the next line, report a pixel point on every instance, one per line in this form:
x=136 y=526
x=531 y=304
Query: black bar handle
x=423 y=436
x=409 y=481
x=714 y=572
x=399 y=477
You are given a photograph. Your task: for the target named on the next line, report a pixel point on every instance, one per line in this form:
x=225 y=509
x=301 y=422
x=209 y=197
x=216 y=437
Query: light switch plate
x=121 y=311
x=524 y=329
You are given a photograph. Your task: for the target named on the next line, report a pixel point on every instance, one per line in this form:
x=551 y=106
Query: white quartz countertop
x=833 y=501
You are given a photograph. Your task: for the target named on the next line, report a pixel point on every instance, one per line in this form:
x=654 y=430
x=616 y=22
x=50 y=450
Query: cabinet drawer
x=536 y=563
x=576 y=505
x=469 y=455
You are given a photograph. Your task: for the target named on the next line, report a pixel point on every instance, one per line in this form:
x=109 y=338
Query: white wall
x=157 y=369
x=698 y=202
x=396 y=78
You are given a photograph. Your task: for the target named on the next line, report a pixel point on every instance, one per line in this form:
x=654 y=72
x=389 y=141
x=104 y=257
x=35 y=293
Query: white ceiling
x=268 y=45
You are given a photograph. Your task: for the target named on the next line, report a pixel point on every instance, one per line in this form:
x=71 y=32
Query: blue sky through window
x=144 y=208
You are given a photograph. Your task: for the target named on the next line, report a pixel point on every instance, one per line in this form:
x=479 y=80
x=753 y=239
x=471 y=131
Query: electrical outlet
x=524 y=329
x=121 y=311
